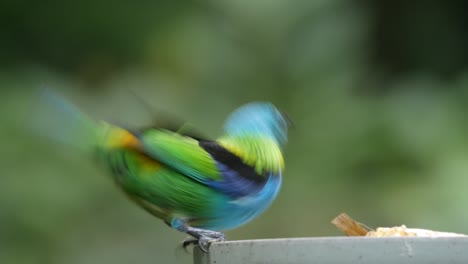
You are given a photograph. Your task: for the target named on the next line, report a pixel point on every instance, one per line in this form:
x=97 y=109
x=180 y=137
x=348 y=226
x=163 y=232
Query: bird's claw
x=204 y=242
x=204 y=236
x=189 y=241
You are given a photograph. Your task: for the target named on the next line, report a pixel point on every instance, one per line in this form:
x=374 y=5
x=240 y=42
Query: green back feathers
x=180 y=153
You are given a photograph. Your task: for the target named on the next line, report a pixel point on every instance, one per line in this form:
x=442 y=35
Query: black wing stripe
x=229 y=159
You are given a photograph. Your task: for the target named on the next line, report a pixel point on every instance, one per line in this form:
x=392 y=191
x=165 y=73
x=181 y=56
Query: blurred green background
x=378 y=91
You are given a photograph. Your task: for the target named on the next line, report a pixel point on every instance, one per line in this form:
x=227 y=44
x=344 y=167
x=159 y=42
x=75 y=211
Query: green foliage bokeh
x=378 y=93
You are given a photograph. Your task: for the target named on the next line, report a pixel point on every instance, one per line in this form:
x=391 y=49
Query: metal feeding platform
x=328 y=250
x=363 y=245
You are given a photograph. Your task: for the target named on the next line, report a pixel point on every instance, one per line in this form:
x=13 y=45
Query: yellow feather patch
x=148 y=163
x=236 y=150
x=262 y=153
x=116 y=137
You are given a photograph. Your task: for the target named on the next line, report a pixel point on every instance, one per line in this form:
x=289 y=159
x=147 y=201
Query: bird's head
x=259 y=118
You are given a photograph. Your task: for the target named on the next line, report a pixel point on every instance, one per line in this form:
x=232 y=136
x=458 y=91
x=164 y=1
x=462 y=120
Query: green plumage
x=181 y=153
x=169 y=192
x=196 y=186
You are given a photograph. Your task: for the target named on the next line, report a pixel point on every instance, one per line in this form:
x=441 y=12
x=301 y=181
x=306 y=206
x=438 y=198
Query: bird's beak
x=289 y=121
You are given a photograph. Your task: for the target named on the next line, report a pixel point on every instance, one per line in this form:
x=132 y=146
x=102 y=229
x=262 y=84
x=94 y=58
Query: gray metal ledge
x=391 y=250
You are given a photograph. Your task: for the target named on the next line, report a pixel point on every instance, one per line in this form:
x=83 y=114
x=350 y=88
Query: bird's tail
x=59 y=120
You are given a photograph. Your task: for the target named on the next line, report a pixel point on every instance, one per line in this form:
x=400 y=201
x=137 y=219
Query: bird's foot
x=203 y=237
x=189 y=241
x=198 y=233
x=204 y=242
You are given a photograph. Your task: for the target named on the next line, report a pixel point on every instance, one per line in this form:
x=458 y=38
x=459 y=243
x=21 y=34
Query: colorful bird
x=196 y=186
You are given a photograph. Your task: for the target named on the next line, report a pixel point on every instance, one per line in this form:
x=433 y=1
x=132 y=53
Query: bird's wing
x=207 y=162
x=181 y=153
x=159 y=189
